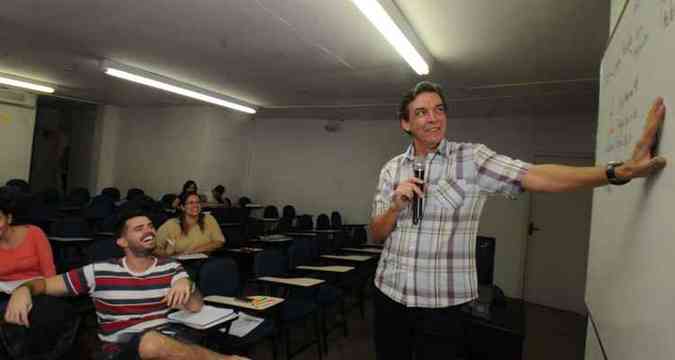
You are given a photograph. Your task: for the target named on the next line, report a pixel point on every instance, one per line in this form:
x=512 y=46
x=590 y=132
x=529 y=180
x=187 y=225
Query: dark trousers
x=402 y=331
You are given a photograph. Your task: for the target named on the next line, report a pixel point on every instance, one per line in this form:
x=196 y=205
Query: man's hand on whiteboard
x=643 y=163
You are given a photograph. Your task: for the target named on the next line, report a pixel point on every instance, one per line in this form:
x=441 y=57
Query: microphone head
x=419 y=163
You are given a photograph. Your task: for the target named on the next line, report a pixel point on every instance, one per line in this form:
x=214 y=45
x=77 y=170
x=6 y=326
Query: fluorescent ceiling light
x=180 y=90
x=26 y=85
x=379 y=17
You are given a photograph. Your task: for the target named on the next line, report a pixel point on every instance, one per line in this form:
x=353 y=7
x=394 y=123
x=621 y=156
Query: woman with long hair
x=191 y=232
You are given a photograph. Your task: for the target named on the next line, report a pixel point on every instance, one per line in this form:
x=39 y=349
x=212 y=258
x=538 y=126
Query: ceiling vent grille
x=15 y=97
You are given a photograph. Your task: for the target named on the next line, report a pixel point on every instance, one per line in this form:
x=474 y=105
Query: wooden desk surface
x=364 y=250
x=303 y=233
x=359 y=258
x=256 y=303
x=334 y=268
x=70 y=239
x=300 y=281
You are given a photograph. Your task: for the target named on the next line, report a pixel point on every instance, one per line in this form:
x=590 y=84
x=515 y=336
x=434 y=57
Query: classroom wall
x=159 y=148
x=296 y=161
x=17 y=124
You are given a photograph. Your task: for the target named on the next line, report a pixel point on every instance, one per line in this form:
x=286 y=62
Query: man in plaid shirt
x=428 y=270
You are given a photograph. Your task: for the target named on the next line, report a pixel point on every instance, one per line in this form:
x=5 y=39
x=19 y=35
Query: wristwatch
x=611 y=174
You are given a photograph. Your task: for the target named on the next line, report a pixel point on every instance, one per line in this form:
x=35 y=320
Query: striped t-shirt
x=126 y=302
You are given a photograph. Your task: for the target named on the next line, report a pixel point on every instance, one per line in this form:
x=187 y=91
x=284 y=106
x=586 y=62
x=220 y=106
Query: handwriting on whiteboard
x=668 y=12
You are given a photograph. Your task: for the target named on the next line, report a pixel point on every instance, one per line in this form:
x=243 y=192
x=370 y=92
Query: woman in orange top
x=25 y=252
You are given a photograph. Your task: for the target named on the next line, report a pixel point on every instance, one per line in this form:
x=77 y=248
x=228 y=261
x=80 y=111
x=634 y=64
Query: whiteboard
x=630 y=290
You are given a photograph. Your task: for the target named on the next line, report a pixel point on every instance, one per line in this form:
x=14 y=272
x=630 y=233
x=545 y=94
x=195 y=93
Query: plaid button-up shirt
x=433 y=264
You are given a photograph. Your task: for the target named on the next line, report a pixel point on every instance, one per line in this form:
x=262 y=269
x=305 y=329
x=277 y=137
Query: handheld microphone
x=417 y=203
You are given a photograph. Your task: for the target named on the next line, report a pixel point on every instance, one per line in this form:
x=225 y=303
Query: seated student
x=25 y=254
x=218 y=193
x=191 y=232
x=141 y=288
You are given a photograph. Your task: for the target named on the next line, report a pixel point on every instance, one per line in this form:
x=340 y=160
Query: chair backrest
x=219 y=276
x=305 y=222
x=233 y=236
x=325 y=243
x=70 y=227
x=360 y=236
x=288 y=211
x=19 y=185
x=270 y=263
x=110 y=223
x=134 y=193
x=243 y=201
x=271 y=212
x=113 y=193
x=167 y=200
x=104 y=247
x=100 y=208
x=304 y=251
x=335 y=220
x=79 y=197
x=220 y=214
x=322 y=222
x=284 y=225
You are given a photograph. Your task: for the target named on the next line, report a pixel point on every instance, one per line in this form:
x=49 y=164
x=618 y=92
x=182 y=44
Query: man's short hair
x=125 y=215
x=410 y=95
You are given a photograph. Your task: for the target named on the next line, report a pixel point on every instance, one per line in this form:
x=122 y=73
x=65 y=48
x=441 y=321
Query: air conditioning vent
x=10 y=96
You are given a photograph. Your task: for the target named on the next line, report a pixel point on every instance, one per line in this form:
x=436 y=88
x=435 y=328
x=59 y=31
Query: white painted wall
x=298 y=162
x=295 y=161
x=160 y=148
x=16 y=140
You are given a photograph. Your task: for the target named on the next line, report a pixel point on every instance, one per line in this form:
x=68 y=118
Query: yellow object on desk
x=254 y=303
x=300 y=281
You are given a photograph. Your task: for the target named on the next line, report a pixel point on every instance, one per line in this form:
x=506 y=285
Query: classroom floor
x=551 y=334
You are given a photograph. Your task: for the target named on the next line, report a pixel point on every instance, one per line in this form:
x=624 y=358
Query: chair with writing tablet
x=221 y=277
x=270 y=269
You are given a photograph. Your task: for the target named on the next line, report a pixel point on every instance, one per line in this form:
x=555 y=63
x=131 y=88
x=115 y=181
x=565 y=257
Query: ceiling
x=294 y=56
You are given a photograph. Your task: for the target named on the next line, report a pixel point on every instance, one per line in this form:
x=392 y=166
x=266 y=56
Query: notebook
x=208 y=317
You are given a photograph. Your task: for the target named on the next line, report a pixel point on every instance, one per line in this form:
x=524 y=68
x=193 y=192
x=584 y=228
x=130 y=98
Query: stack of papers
x=244 y=325
x=208 y=317
x=195 y=256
